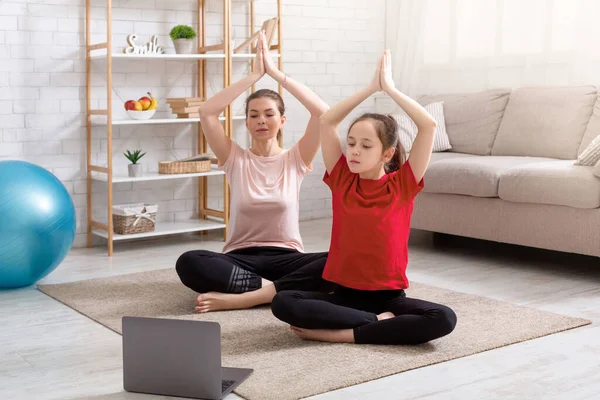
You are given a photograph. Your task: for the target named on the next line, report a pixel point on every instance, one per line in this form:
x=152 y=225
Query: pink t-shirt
x=264 y=202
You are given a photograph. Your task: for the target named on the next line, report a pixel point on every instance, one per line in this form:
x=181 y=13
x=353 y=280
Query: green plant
x=135 y=156
x=182 y=32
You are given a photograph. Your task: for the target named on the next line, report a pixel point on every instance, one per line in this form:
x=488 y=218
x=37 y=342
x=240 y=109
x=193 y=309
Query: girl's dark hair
x=270 y=94
x=387 y=131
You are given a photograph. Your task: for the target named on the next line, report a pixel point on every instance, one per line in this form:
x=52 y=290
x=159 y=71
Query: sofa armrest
x=597 y=169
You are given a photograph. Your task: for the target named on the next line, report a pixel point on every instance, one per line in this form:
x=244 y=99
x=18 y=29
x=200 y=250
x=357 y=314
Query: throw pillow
x=408 y=129
x=591 y=154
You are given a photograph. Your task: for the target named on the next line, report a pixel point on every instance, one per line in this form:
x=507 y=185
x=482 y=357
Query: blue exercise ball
x=37 y=223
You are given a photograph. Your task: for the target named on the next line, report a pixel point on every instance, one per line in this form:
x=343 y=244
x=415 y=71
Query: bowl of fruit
x=141 y=109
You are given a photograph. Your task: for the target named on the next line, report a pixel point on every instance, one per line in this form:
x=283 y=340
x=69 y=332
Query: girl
x=263 y=252
x=373 y=189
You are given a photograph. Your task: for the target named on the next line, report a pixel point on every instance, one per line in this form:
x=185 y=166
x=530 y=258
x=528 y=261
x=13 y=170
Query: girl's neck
x=374 y=174
x=265 y=148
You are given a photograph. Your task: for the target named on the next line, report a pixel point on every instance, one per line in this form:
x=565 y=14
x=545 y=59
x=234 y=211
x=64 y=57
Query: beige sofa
x=510 y=176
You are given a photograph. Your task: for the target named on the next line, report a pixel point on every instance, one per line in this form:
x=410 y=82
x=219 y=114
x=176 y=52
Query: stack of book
x=185 y=107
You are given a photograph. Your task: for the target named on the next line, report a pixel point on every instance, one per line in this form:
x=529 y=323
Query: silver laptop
x=174 y=357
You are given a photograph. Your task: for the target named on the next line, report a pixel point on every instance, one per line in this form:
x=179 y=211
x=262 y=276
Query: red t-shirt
x=371 y=225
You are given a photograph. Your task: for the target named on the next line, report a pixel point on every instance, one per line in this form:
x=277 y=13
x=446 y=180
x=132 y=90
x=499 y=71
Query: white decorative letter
x=131 y=40
x=150 y=48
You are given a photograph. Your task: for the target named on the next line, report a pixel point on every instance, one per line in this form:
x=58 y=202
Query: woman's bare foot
x=325 y=335
x=215 y=301
x=385 y=315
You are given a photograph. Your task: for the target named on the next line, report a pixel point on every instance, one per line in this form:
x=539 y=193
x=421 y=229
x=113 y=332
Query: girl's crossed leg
x=364 y=317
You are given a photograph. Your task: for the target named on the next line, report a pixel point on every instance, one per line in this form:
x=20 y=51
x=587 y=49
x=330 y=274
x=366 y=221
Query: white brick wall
x=330 y=45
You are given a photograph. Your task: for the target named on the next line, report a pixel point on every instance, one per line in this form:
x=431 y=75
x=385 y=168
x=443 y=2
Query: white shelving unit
x=180 y=57
x=160 y=121
x=209 y=219
x=166 y=228
x=251 y=55
x=154 y=176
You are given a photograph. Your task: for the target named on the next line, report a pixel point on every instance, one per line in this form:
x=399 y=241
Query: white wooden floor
x=49 y=351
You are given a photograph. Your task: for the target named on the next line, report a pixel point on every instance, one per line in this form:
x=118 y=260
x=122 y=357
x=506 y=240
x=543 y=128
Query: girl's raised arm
x=420 y=153
x=330 y=139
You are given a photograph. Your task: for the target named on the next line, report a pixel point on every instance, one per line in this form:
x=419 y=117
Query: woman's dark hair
x=270 y=94
x=387 y=131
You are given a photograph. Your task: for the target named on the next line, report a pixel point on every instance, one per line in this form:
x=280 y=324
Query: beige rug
x=287 y=367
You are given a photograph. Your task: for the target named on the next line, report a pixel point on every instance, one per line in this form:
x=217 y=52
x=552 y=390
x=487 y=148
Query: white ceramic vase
x=135 y=170
x=183 y=46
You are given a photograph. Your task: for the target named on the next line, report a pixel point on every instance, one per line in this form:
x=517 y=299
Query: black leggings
x=241 y=270
x=416 y=321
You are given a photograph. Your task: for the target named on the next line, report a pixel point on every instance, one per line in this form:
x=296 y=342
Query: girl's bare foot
x=325 y=335
x=385 y=315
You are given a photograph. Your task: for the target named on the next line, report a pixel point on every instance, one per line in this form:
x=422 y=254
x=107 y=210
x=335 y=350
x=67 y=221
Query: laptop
x=179 y=358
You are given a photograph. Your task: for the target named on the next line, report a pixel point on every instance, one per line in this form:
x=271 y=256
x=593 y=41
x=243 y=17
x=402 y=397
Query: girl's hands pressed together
x=386 y=77
x=375 y=84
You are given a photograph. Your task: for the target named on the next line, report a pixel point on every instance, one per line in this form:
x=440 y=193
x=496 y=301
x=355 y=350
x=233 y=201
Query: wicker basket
x=134 y=218
x=199 y=163
x=183 y=167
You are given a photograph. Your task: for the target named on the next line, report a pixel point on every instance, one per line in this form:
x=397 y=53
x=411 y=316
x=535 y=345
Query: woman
x=263 y=253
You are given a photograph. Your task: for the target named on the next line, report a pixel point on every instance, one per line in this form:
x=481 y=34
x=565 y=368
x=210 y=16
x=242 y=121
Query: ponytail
x=392 y=137
x=397 y=159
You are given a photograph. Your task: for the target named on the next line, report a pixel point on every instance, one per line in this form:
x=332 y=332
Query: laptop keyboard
x=226 y=384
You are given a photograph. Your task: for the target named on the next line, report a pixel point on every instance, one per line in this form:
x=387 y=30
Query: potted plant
x=134 y=168
x=182 y=36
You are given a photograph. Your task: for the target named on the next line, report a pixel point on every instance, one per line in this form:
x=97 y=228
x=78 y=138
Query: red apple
x=145 y=102
x=129 y=105
x=134 y=105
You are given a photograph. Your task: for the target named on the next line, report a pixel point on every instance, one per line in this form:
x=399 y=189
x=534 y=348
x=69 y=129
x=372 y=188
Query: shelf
x=152 y=121
x=174 y=56
x=159 y=121
x=250 y=55
x=167 y=228
x=155 y=176
x=159 y=56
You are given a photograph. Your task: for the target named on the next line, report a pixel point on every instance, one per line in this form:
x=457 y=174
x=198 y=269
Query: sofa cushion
x=545 y=122
x=556 y=182
x=472 y=119
x=593 y=127
x=471 y=175
x=408 y=130
x=591 y=154
x=445 y=155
